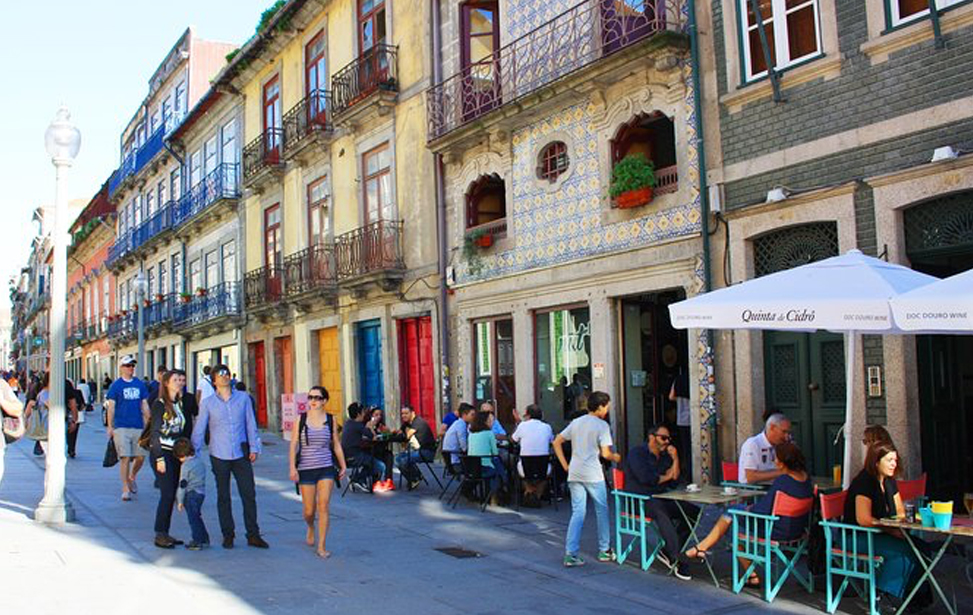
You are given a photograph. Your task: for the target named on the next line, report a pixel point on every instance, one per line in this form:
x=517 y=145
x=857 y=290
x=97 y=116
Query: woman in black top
x=874 y=495
x=170 y=421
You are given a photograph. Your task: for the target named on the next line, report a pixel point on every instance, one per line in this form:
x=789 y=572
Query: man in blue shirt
x=654 y=468
x=127 y=412
x=234 y=444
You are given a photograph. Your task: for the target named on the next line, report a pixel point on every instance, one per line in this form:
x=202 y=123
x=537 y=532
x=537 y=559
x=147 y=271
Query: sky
x=96 y=57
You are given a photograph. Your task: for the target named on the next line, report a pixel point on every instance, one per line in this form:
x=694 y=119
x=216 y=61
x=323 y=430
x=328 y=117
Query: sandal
x=699 y=554
x=753 y=581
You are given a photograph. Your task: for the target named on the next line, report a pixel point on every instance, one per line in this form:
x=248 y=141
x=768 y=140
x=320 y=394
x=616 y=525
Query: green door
x=805 y=380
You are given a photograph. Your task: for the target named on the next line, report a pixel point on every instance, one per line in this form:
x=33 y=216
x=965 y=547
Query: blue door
x=372 y=387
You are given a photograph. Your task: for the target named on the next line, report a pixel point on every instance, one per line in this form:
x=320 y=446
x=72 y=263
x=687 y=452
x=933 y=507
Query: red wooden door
x=416 y=369
x=427 y=370
x=259 y=362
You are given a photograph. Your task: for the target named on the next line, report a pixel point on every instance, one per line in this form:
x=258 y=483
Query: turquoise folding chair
x=632 y=522
x=849 y=553
x=752 y=541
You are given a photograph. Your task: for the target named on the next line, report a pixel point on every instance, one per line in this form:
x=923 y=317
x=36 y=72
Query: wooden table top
x=708 y=494
x=962 y=526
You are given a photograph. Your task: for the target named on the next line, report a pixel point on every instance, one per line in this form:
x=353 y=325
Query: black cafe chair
x=360 y=474
x=537 y=468
x=474 y=481
x=451 y=471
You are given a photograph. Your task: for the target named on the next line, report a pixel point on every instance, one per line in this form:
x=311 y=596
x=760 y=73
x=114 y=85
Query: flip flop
x=701 y=554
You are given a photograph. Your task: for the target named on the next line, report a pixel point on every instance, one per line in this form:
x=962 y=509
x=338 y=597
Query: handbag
x=36 y=428
x=111 y=455
x=13 y=428
x=145 y=439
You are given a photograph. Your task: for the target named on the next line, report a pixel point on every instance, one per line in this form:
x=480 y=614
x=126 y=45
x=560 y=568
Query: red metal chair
x=731 y=472
x=913 y=489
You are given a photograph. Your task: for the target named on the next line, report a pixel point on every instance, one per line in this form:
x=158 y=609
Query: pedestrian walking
x=315 y=454
x=126 y=417
x=591 y=440
x=170 y=422
x=75 y=416
x=234 y=445
x=191 y=491
x=13 y=409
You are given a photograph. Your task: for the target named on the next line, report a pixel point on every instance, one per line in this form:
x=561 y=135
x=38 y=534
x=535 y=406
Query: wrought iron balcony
x=592 y=30
x=307 y=122
x=311 y=270
x=263 y=287
x=122 y=326
x=137 y=160
x=262 y=154
x=375 y=70
x=372 y=249
x=222 y=183
x=220 y=302
x=154 y=225
x=160 y=312
x=122 y=246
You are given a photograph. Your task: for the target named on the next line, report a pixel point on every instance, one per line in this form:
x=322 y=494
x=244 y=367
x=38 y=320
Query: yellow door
x=329 y=358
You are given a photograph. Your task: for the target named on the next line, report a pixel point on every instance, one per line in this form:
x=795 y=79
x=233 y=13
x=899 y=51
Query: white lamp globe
x=62 y=139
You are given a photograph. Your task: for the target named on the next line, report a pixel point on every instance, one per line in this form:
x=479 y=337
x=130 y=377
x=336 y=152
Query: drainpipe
x=437 y=78
x=704 y=215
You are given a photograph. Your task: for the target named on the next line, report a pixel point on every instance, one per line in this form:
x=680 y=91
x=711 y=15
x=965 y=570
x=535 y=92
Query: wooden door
x=329 y=360
x=371 y=381
x=258 y=376
x=945 y=435
x=416 y=368
x=284 y=364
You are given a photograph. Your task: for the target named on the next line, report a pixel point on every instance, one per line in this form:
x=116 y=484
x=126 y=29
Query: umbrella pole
x=850 y=338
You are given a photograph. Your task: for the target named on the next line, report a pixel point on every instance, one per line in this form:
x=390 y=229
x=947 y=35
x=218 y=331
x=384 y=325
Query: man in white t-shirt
x=205 y=387
x=757 y=455
x=591 y=439
x=535 y=437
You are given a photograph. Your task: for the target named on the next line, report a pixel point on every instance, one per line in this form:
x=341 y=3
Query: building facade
x=837 y=148
x=558 y=289
x=340 y=252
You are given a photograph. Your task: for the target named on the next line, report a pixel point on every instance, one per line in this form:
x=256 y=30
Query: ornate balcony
x=262 y=159
x=310 y=275
x=308 y=126
x=263 y=289
x=216 y=194
x=372 y=76
x=122 y=326
x=159 y=315
x=136 y=161
x=219 y=309
x=666 y=180
x=371 y=254
x=118 y=250
x=575 y=39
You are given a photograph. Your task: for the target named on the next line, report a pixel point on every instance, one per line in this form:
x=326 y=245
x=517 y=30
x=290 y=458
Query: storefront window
x=493 y=348
x=562 y=363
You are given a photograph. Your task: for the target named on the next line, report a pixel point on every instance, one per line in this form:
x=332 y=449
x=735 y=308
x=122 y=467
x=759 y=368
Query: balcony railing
x=309 y=117
x=219 y=301
x=666 y=180
x=221 y=183
x=122 y=325
x=310 y=269
x=155 y=224
x=263 y=152
x=263 y=286
x=136 y=161
x=121 y=247
x=159 y=312
x=592 y=30
x=376 y=69
x=370 y=249
x=497 y=228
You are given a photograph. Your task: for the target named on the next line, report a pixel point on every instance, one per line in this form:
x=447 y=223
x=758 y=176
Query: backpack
x=302 y=433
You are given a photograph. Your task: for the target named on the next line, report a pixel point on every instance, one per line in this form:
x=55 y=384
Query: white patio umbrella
x=945 y=306
x=849 y=294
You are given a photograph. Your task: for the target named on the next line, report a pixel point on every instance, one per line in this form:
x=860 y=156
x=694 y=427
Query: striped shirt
x=315 y=448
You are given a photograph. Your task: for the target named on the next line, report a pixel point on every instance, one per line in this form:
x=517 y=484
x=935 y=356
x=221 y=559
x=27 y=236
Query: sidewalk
x=384 y=555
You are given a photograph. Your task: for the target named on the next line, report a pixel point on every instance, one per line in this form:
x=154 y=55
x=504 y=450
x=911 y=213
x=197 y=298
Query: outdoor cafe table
x=961 y=527
x=707 y=495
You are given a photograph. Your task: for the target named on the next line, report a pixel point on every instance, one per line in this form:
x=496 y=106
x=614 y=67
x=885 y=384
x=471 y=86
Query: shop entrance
x=653 y=353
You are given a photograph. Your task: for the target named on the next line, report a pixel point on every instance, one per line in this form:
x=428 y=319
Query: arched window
x=552 y=161
x=654 y=135
x=794 y=246
x=486 y=201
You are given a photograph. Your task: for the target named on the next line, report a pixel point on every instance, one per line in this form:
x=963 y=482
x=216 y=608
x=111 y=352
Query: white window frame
x=897 y=21
x=228 y=250
x=781 y=49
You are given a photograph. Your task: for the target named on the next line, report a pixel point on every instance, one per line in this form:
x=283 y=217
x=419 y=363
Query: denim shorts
x=311 y=476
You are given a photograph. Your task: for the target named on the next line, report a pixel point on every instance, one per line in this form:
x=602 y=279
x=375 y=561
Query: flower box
x=634 y=198
x=200 y=292
x=485 y=240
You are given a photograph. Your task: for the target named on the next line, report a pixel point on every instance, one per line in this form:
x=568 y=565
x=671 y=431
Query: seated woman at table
x=794 y=481
x=376 y=422
x=482 y=442
x=874 y=495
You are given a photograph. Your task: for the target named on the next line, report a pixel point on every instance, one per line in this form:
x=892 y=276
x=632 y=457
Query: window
x=480 y=38
x=212 y=269
x=493 y=364
x=155 y=122
x=167 y=111
x=106 y=294
x=229 y=145
x=95 y=313
x=136 y=213
x=271 y=116
x=793 y=34
x=371 y=24
x=229 y=262
x=163 y=278
x=553 y=161
x=318 y=223
x=149 y=203
x=161 y=192
x=654 y=136
x=209 y=156
x=176 y=261
x=316 y=77
x=181 y=103
x=272 y=236
x=195 y=275
x=175 y=183
x=195 y=168
x=378 y=184
x=904 y=11
x=486 y=201
x=151 y=279
x=562 y=362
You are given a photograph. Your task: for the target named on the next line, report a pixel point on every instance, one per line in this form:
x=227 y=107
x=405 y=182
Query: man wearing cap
x=127 y=409
x=234 y=444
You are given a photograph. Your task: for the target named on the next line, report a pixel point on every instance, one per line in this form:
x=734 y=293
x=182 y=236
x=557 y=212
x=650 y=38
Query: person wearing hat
x=127 y=414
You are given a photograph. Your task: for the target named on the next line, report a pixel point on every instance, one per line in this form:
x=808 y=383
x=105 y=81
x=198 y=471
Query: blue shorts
x=311 y=476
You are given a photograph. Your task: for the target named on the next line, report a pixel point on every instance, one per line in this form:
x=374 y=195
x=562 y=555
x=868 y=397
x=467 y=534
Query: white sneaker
x=662 y=557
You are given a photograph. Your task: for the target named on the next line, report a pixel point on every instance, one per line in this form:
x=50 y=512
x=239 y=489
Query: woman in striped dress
x=316 y=459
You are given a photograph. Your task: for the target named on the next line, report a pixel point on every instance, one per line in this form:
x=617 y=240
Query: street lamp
x=140 y=287
x=62 y=140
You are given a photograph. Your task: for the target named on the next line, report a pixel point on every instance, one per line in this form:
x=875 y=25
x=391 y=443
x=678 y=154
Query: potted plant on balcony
x=186 y=297
x=473 y=242
x=159 y=297
x=201 y=291
x=633 y=178
x=146 y=302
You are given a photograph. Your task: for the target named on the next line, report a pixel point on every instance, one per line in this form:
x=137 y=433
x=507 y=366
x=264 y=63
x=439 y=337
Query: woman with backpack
x=316 y=460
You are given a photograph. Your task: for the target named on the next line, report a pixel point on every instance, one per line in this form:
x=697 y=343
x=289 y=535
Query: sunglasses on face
x=316 y=397
x=663 y=437
x=225 y=374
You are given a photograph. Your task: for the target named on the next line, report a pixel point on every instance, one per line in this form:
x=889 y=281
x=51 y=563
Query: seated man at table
x=535 y=437
x=449 y=418
x=497 y=428
x=354 y=440
x=420 y=446
x=654 y=468
x=455 y=440
x=757 y=460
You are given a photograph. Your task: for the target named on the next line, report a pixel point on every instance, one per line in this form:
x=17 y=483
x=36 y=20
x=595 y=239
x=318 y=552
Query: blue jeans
x=579 y=505
x=193 y=502
x=406 y=463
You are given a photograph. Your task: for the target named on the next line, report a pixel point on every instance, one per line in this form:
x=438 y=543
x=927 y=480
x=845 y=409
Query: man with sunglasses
x=234 y=444
x=651 y=469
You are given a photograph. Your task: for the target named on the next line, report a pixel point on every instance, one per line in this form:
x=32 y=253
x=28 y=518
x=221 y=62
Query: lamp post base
x=55 y=514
